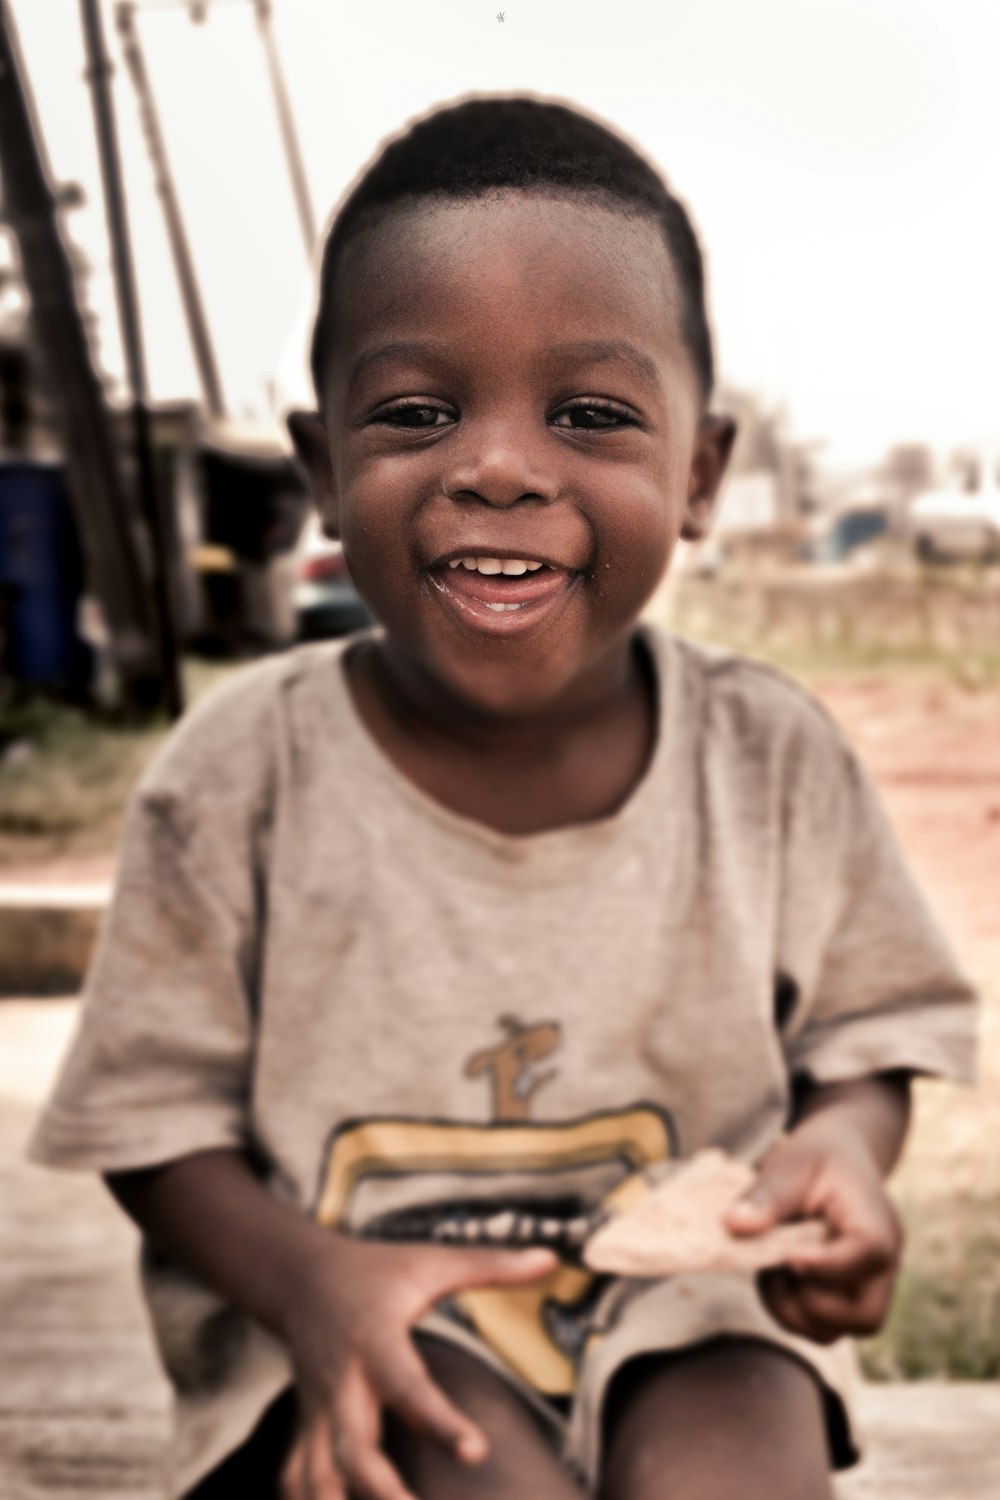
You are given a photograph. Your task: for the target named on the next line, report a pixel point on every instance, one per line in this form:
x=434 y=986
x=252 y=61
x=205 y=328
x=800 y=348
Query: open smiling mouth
x=502 y=594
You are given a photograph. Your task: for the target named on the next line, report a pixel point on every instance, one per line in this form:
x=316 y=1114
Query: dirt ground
x=934 y=750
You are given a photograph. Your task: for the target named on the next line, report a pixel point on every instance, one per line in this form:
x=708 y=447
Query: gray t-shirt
x=423 y=1027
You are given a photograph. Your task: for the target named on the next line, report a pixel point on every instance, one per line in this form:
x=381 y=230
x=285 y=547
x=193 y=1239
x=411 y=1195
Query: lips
x=500 y=588
x=476 y=601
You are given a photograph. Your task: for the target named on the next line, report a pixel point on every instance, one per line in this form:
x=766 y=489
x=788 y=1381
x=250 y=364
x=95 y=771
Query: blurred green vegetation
x=945 y=1320
x=942 y=626
x=66 y=774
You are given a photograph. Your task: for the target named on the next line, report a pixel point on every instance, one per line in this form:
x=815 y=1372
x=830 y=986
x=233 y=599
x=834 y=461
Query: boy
x=427 y=944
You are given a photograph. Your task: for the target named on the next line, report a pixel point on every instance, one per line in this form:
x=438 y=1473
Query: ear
x=306 y=430
x=712 y=449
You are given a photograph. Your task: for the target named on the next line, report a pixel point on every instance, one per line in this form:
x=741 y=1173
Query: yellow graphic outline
x=510 y=1319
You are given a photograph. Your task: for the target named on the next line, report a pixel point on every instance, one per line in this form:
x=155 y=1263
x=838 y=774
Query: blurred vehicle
x=960 y=521
x=845 y=535
x=324 y=598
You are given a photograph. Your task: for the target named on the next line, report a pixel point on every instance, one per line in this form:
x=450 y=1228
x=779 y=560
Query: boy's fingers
x=291 y=1485
x=780 y=1292
x=777 y=1194
x=374 y=1478
x=367 y=1473
x=325 y=1483
x=847 y=1261
x=861 y=1314
x=783 y=1294
x=310 y=1473
x=455 y=1269
x=423 y=1406
x=818 y=1314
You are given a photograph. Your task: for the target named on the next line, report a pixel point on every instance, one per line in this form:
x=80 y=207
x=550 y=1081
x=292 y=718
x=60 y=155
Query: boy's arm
x=344 y=1307
x=214 y=1216
x=843 y=1140
x=872 y=1113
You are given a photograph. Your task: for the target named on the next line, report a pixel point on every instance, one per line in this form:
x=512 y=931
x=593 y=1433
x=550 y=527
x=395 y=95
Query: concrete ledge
x=928 y=1441
x=935 y=1442
x=47 y=936
x=82 y=1455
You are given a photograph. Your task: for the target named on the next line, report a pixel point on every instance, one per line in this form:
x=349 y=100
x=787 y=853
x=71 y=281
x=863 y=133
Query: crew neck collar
x=549 y=853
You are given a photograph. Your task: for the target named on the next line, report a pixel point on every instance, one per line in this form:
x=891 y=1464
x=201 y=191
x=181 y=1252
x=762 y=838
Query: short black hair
x=481 y=144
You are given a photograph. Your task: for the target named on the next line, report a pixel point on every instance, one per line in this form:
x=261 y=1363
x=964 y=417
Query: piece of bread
x=679 y=1226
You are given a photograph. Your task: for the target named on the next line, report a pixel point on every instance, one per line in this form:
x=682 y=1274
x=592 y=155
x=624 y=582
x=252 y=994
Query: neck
x=424 y=708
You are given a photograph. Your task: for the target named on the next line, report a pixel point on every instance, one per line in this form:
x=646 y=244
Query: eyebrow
x=617 y=351
x=583 y=351
x=399 y=349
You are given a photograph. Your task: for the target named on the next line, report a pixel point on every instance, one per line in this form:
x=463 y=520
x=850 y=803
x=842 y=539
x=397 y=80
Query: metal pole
x=99 y=71
x=296 y=169
x=106 y=521
x=184 y=265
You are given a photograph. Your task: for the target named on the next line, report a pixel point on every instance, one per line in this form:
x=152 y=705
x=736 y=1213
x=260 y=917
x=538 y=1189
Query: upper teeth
x=513 y=565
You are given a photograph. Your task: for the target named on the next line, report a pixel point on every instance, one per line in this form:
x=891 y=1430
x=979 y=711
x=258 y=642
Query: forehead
x=519 y=265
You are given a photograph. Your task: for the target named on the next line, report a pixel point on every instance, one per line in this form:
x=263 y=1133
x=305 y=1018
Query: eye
x=596 y=416
x=414 y=414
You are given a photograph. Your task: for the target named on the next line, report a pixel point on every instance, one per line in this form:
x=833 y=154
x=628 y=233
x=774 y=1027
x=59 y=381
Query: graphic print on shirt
x=510 y=1065
x=512 y=1182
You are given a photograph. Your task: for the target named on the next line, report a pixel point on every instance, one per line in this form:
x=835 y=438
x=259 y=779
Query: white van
x=961 y=521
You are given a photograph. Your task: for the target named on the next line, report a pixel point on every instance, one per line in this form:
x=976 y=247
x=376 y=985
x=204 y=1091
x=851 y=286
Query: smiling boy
x=434 y=944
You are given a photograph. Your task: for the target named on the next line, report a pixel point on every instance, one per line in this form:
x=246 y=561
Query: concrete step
x=49 y=921
x=114 y=1455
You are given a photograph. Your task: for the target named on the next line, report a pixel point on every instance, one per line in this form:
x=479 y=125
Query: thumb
x=458 y=1268
x=777 y=1194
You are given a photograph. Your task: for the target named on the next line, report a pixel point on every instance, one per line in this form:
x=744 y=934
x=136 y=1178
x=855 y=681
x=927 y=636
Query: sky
x=838 y=157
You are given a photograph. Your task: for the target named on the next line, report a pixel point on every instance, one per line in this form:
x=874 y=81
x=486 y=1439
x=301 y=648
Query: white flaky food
x=679 y=1227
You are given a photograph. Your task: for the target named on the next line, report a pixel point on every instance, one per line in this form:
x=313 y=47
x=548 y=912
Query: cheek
x=640 y=532
x=373 y=515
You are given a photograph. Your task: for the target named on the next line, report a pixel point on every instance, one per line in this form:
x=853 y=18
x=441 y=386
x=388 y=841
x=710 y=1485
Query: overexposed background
x=838 y=157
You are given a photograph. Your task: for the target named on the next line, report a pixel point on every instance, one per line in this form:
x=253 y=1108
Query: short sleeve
x=160 y=1064
x=876 y=984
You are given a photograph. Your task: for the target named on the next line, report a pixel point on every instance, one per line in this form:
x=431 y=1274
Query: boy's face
x=509 y=383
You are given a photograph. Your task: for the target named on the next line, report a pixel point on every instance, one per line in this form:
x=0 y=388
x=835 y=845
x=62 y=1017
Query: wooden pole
x=293 y=155
x=110 y=528
x=99 y=72
x=194 y=311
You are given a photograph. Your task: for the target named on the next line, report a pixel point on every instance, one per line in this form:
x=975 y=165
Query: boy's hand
x=843 y=1286
x=349 y=1329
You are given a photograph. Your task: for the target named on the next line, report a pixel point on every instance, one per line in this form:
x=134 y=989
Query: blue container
x=41 y=575
x=850 y=530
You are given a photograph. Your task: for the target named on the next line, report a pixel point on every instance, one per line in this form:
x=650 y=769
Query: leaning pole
x=112 y=534
x=150 y=494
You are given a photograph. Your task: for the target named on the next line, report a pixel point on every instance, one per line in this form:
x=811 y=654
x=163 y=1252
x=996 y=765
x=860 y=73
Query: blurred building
x=909 y=470
x=768 y=493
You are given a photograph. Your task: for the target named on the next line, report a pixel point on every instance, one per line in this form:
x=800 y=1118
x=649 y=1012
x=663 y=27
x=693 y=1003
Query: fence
x=816 y=610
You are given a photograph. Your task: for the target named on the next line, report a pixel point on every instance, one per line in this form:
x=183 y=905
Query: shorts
x=638 y=1318
x=634 y=1318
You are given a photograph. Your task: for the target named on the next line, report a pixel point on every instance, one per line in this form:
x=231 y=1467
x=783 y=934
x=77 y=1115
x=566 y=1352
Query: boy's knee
x=730 y=1418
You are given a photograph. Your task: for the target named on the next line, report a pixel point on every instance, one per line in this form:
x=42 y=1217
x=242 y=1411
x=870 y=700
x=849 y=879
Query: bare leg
x=522 y=1465
x=728 y=1420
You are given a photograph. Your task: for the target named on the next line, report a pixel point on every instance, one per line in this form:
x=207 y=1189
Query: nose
x=498 y=466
